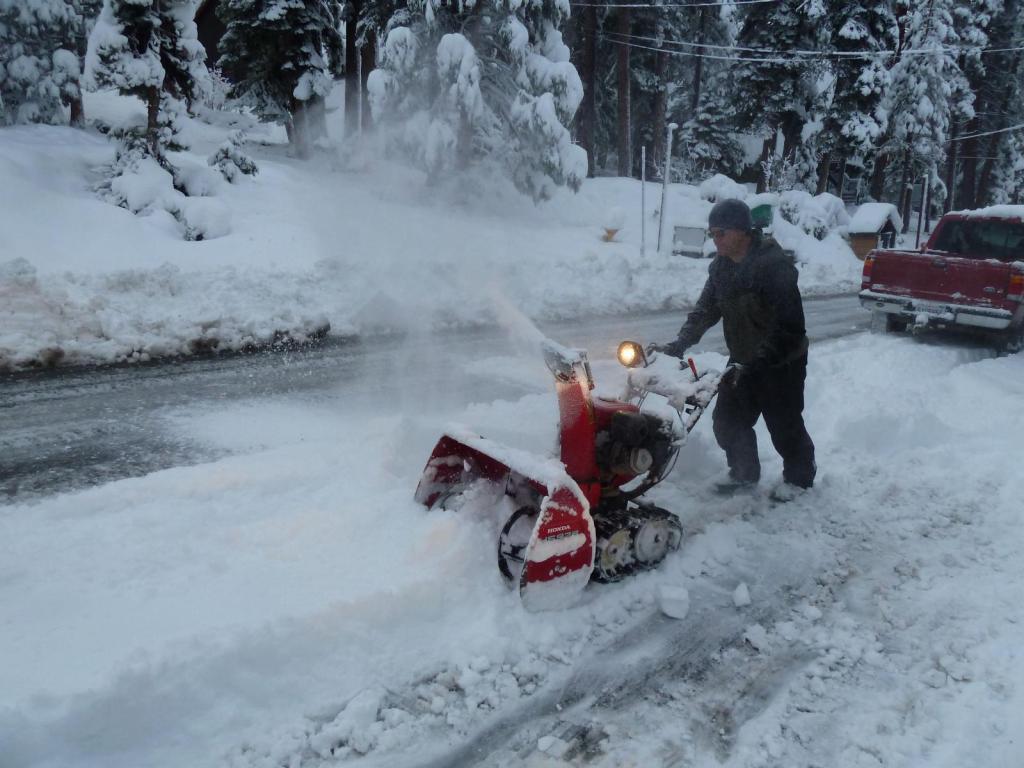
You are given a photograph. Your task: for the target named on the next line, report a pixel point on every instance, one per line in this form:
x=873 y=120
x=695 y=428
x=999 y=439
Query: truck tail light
x=865 y=280
x=1015 y=291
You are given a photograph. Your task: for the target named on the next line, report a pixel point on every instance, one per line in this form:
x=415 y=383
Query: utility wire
x=735 y=59
x=671 y=5
x=987 y=133
x=816 y=54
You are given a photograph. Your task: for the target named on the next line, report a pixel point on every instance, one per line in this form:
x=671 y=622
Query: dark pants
x=778 y=395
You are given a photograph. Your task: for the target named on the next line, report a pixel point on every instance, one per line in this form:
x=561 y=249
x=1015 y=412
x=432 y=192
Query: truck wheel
x=1011 y=343
x=885 y=322
x=894 y=324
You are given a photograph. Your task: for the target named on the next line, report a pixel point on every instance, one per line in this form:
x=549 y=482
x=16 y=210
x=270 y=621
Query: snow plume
x=522 y=330
x=499 y=93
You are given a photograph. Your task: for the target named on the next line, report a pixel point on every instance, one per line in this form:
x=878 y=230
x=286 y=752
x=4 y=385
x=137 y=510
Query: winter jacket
x=759 y=304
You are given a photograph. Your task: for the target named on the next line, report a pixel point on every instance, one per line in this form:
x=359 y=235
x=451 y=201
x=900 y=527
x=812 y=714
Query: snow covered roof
x=871 y=217
x=995 y=211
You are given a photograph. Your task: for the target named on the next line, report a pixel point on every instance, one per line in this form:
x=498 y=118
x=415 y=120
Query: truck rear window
x=980 y=239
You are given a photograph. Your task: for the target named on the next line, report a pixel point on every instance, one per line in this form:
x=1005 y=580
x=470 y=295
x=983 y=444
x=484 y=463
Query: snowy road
x=66 y=430
x=287 y=603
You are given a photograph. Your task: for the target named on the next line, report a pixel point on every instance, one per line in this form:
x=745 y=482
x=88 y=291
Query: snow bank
x=303 y=245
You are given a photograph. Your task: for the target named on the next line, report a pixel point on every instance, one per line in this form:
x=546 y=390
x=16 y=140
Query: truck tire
x=884 y=321
x=1010 y=343
x=894 y=324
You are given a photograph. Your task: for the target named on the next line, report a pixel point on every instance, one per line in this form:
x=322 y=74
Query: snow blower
x=581 y=517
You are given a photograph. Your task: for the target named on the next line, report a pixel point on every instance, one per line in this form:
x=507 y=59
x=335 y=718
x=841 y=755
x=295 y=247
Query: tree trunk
x=767 y=149
x=824 y=165
x=790 y=134
x=77 y=111
x=152 y=120
x=369 y=55
x=698 y=63
x=300 y=134
x=588 y=108
x=969 y=166
x=352 y=10
x=905 y=192
x=877 y=190
x=954 y=150
x=657 y=157
x=623 y=138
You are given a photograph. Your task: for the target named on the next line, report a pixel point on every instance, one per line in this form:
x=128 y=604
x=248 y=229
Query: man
x=752 y=288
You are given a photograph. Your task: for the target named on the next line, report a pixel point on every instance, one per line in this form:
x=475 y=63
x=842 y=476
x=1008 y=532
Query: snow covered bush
x=815 y=215
x=464 y=86
x=39 y=72
x=230 y=159
x=720 y=187
x=146 y=184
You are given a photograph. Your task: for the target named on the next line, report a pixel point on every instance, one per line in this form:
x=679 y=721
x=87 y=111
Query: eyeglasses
x=714 y=234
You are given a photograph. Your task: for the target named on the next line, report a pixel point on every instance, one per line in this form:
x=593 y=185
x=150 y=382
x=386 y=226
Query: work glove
x=672 y=348
x=734 y=374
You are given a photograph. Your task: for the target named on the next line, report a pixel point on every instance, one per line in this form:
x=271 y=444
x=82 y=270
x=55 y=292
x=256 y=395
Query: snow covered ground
x=291 y=605
x=359 y=246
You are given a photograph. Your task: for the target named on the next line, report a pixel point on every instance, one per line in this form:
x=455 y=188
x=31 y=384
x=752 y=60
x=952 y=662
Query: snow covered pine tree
x=928 y=87
x=282 y=55
x=148 y=49
x=783 y=93
x=489 y=82
x=39 y=71
x=854 y=121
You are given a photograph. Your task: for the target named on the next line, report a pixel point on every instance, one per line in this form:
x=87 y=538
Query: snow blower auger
x=581 y=517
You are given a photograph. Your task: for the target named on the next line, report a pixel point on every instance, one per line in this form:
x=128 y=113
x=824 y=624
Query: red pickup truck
x=968 y=276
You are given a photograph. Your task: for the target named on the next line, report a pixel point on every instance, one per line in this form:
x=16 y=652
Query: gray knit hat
x=730 y=214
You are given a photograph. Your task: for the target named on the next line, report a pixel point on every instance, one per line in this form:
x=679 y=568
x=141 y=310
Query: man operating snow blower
x=752 y=289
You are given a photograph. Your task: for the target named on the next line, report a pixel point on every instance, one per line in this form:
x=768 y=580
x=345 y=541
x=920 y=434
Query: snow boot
x=785 y=491
x=728 y=484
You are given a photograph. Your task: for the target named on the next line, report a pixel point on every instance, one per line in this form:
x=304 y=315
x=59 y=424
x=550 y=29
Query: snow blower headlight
x=631 y=354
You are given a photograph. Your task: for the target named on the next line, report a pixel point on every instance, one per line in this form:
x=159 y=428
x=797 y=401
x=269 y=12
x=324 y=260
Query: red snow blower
x=580 y=517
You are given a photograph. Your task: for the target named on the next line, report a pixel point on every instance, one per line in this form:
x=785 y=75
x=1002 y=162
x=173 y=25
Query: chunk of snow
x=741 y=596
x=757 y=636
x=674 y=601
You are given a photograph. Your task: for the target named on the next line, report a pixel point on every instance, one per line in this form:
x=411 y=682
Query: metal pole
x=921 y=213
x=643 y=200
x=928 y=205
x=664 y=186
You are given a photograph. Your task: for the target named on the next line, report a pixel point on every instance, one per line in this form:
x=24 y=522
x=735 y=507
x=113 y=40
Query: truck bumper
x=920 y=312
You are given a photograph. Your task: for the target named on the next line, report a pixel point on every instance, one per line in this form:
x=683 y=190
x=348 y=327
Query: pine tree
x=779 y=91
x=458 y=86
x=39 y=75
x=994 y=81
x=1008 y=172
x=854 y=122
x=283 y=55
x=928 y=87
x=149 y=49
x=702 y=104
